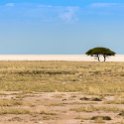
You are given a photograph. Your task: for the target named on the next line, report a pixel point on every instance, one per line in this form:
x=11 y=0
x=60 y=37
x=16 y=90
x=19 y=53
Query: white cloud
x=65 y=13
x=99 y=5
x=69 y=14
x=45 y=6
x=44 y=12
x=10 y=4
x=50 y=12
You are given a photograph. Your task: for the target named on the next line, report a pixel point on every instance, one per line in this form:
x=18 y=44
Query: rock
x=121 y=114
x=96 y=99
x=85 y=98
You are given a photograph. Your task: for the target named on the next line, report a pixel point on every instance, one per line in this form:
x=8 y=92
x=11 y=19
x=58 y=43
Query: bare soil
x=59 y=108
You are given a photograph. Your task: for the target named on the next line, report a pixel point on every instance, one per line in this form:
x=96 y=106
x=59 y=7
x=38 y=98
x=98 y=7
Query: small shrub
x=101 y=118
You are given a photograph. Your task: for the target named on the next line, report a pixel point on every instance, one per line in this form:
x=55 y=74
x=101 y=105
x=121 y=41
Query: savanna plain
x=59 y=92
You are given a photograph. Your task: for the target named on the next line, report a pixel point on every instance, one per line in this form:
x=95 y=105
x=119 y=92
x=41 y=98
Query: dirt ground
x=60 y=108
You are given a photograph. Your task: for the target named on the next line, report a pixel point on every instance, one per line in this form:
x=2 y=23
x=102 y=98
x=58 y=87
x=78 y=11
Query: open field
x=49 y=92
x=80 y=57
x=86 y=77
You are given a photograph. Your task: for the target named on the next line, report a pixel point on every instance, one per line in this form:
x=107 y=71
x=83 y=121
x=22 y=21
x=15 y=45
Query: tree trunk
x=98 y=58
x=104 y=56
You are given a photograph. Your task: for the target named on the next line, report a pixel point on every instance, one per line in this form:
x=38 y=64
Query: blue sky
x=60 y=26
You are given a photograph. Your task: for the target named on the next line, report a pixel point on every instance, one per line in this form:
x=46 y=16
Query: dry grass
x=19 y=110
x=10 y=102
x=116 y=101
x=87 y=77
x=15 y=111
x=92 y=108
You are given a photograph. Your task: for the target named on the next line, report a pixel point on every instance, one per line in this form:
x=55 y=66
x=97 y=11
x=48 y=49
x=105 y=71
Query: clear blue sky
x=60 y=26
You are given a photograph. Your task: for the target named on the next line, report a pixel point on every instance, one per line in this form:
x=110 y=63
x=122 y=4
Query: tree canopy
x=98 y=51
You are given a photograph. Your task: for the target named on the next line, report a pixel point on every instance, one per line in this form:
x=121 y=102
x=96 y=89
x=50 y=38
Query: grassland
x=52 y=92
x=87 y=77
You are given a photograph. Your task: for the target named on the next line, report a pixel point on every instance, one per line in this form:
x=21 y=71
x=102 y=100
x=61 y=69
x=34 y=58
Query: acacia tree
x=98 y=51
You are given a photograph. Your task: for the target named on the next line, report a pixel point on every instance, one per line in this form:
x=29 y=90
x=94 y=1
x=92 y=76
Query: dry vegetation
x=89 y=78
x=61 y=92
